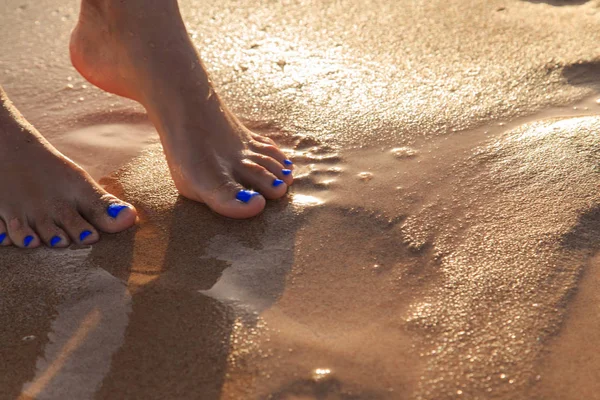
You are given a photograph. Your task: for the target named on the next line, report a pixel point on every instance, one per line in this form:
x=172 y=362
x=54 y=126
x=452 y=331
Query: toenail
x=287 y=162
x=245 y=195
x=114 y=209
x=2 y=237
x=54 y=241
x=83 y=235
x=286 y=171
x=277 y=182
x=27 y=241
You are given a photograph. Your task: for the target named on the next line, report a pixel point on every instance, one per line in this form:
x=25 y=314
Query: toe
x=257 y=177
x=80 y=230
x=21 y=234
x=273 y=166
x=51 y=234
x=271 y=151
x=234 y=201
x=109 y=214
x=263 y=139
x=4 y=238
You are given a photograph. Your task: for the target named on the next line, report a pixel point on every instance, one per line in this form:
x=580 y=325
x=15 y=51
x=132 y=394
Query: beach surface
x=439 y=242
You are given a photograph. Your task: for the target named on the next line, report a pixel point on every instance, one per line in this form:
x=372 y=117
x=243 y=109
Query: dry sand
x=439 y=241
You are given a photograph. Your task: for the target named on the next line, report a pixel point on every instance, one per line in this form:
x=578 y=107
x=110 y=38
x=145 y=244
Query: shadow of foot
x=177 y=340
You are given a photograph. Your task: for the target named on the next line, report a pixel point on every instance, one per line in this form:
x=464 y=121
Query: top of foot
x=47 y=198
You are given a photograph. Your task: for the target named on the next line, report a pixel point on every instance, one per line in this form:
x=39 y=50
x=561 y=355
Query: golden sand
x=439 y=241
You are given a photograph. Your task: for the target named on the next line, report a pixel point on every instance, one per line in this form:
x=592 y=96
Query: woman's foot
x=46 y=198
x=141 y=50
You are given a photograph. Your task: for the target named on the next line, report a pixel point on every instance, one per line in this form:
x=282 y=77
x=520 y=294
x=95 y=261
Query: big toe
x=234 y=201
x=109 y=214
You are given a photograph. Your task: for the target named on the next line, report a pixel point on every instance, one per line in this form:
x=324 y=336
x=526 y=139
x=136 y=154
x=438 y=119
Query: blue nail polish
x=83 y=235
x=287 y=162
x=286 y=171
x=245 y=195
x=114 y=209
x=54 y=241
x=277 y=182
x=27 y=241
x=2 y=237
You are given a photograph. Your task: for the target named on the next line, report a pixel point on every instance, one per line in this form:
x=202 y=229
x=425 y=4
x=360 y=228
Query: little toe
x=51 y=234
x=273 y=166
x=4 y=238
x=109 y=214
x=271 y=151
x=80 y=230
x=256 y=176
x=234 y=201
x=21 y=234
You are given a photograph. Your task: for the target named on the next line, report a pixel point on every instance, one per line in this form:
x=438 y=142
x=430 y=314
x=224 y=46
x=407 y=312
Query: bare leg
x=141 y=50
x=46 y=198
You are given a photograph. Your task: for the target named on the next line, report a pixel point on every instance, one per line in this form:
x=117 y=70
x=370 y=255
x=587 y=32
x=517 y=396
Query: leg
x=141 y=50
x=45 y=196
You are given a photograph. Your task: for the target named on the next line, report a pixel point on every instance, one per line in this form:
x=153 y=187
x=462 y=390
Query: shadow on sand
x=585 y=73
x=176 y=342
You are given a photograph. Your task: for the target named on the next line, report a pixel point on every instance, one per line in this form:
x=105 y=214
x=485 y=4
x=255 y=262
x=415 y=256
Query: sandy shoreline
x=439 y=241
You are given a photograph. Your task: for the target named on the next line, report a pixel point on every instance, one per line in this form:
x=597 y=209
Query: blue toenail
x=83 y=235
x=245 y=195
x=114 y=209
x=277 y=182
x=27 y=241
x=54 y=241
x=287 y=162
x=286 y=171
x=2 y=237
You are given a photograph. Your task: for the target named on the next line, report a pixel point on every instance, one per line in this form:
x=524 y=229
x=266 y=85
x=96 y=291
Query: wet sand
x=439 y=241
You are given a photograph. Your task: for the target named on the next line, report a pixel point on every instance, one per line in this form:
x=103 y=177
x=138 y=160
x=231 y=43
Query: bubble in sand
x=403 y=152
x=320 y=374
x=365 y=176
x=28 y=338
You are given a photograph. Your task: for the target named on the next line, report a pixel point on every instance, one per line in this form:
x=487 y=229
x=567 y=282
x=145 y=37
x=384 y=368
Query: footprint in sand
x=317 y=164
x=400 y=153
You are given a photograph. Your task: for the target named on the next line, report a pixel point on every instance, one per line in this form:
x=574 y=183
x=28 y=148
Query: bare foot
x=141 y=50
x=45 y=196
